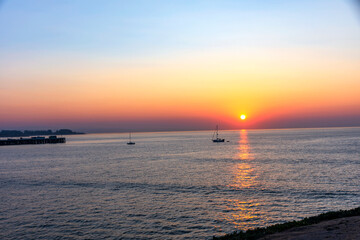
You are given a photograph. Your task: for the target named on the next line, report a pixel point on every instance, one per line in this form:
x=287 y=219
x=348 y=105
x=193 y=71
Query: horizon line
x=206 y=130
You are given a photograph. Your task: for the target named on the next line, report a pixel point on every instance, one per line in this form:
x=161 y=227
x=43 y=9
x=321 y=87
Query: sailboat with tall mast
x=130 y=142
x=216 y=133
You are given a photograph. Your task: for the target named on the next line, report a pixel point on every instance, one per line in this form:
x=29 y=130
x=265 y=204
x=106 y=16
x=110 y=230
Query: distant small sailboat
x=216 y=133
x=130 y=142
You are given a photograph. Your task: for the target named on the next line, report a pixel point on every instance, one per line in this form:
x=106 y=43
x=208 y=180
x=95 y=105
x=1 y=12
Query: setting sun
x=242 y=117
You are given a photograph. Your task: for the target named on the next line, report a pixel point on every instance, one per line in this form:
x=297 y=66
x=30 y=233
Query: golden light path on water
x=241 y=211
x=243 y=170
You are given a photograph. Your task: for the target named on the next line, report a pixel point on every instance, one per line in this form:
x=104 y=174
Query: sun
x=242 y=116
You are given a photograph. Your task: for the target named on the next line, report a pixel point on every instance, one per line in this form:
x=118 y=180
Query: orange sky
x=189 y=86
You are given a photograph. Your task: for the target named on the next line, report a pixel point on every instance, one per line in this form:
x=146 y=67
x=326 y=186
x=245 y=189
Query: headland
x=331 y=225
x=29 y=133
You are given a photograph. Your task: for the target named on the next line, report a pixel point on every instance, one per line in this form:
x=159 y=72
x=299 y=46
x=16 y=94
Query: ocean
x=175 y=185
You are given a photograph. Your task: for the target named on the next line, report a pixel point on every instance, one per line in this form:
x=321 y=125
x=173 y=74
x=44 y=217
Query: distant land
x=27 y=133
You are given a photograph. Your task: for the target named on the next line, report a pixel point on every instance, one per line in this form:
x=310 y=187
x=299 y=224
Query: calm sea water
x=175 y=185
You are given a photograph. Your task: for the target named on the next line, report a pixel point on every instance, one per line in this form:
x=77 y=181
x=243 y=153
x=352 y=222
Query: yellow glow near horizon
x=242 y=116
x=201 y=87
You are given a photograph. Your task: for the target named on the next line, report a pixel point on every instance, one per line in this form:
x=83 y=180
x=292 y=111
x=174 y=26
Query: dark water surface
x=175 y=185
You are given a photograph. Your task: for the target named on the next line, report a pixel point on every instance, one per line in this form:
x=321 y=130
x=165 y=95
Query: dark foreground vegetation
x=28 y=133
x=261 y=232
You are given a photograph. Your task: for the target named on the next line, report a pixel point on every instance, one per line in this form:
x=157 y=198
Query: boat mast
x=217 y=132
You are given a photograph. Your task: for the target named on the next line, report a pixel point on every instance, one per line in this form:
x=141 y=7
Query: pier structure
x=32 y=140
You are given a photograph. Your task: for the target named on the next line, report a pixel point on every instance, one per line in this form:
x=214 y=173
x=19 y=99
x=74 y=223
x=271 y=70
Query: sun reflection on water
x=244 y=146
x=243 y=171
x=242 y=212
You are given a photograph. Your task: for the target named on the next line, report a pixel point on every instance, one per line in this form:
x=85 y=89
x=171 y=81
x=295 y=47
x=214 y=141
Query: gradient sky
x=178 y=65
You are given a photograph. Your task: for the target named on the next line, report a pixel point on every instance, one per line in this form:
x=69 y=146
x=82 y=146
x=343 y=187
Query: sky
x=140 y=65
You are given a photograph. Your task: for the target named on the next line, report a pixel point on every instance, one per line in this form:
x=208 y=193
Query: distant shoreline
x=19 y=133
x=29 y=133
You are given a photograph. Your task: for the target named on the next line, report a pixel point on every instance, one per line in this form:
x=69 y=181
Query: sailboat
x=130 y=142
x=216 y=133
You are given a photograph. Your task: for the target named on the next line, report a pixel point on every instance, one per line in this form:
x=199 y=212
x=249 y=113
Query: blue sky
x=150 y=27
